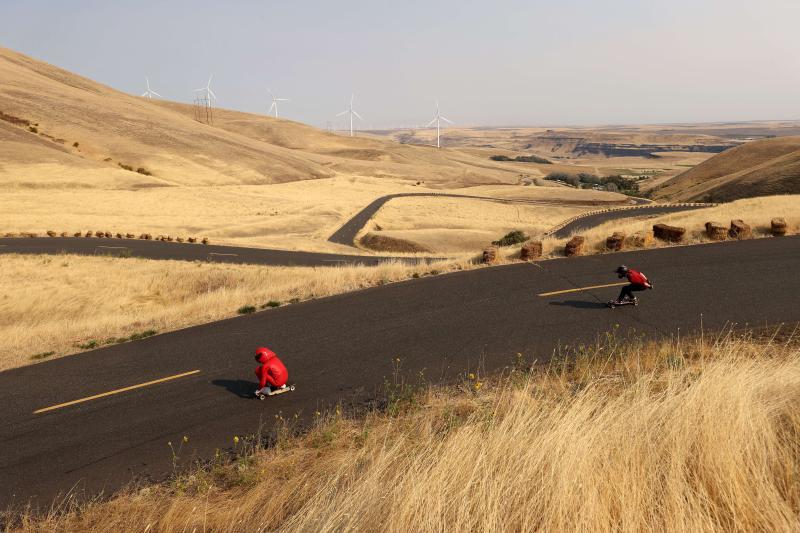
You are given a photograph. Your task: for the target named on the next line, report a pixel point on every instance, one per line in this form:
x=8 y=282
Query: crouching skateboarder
x=638 y=282
x=272 y=374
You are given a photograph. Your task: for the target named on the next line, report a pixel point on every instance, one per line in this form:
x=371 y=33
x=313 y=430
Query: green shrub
x=246 y=309
x=43 y=355
x=514 y=237
x=89 y=345
x=271 y=303
x=75 y=144
x=33 y=129
x=142 y=170
x=522 y=159
x=126 y=167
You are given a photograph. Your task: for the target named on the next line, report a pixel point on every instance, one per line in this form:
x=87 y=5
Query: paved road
x=592 y=221
x=347 y=233
x=181 y=251
x=341 y=348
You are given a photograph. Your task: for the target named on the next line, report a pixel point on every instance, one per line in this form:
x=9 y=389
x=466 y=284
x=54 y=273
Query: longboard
x=613 y=303
x=276 y=392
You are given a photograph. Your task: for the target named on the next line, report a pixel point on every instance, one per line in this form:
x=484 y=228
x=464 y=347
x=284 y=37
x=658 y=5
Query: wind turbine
x=352 y=112
x=437 y=119
x=149 y=93
x=275 y=103
x=209 y=93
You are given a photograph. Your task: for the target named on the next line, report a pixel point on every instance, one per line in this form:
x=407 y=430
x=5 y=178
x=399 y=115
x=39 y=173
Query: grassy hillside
x=684 y=436
x=58 y=129
x=758 y=168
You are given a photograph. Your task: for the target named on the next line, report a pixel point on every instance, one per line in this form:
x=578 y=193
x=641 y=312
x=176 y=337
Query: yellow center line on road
x=110 y=393
x=544 y=294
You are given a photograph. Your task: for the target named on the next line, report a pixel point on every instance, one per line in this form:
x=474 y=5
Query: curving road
x=196 y=382
x=591 y=221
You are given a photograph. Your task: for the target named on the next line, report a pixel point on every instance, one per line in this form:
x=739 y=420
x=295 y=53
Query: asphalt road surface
x=198 y=381
x=592 y=221
x=181 y=251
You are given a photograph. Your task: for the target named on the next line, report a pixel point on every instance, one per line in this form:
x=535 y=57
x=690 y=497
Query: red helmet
x=263 y=353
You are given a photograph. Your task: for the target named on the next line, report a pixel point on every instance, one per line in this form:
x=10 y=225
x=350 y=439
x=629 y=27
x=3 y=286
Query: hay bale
x=616 y=242
x=51 y=233
x=740 y=230
x=778 y=227
x=30 y=235
x=99 y=234
x=130 y=236
x=10 y=235
x=169 y=238
x=205 y=240
x=64 y=234
x=531 y=250
x=179 y=239
x=89 y=234
x=118 y=235
x=108 y=234
x=192 y=239
x=716 y=232
x=575 y=246
x=668 y=233
x=77 y=234
x=489 y=256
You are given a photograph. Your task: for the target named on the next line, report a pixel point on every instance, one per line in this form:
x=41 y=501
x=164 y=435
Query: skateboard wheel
x=291 y=387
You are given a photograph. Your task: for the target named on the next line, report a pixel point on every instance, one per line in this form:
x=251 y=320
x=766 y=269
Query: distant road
x=135 y=397
x=592 y=221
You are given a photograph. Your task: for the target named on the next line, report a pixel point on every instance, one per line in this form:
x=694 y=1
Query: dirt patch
x=382 y=243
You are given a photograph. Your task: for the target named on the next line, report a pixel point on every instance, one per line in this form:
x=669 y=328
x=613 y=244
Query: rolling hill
x=757 y=168
x=58 y=129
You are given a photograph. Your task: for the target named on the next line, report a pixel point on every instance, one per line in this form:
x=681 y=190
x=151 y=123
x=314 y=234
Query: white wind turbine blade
x=145 y=93
x=155 y=93
x=211 y=94
x=432 y=122
x=446 y=120
x=208 y=85
x=346 y=111
x=353 y=111
x=282 y=100
x=273 y=106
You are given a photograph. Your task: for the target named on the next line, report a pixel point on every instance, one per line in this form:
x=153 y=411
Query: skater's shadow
x=580 y=304
x=240 y=387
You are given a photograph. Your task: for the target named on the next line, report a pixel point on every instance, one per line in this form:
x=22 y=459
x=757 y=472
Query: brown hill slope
x=45 y=111
x=758 y=168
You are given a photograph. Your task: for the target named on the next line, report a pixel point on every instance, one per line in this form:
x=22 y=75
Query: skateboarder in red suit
x=272 y=374
x=638 y=282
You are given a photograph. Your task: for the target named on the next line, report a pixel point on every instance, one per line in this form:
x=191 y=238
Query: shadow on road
x=580 y=304
x=240 y=387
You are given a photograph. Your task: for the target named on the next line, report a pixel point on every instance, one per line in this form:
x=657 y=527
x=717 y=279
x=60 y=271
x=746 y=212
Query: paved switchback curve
x=197 y=381
x=347 y=233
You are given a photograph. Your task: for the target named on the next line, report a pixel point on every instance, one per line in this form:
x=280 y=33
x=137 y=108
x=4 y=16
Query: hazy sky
x=532 y=62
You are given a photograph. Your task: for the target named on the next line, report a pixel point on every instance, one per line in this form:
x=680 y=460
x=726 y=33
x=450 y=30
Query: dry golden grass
x=57 y=303
x=682 y=436
x=298 y=215
x=451 y=225
x=764 y=167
